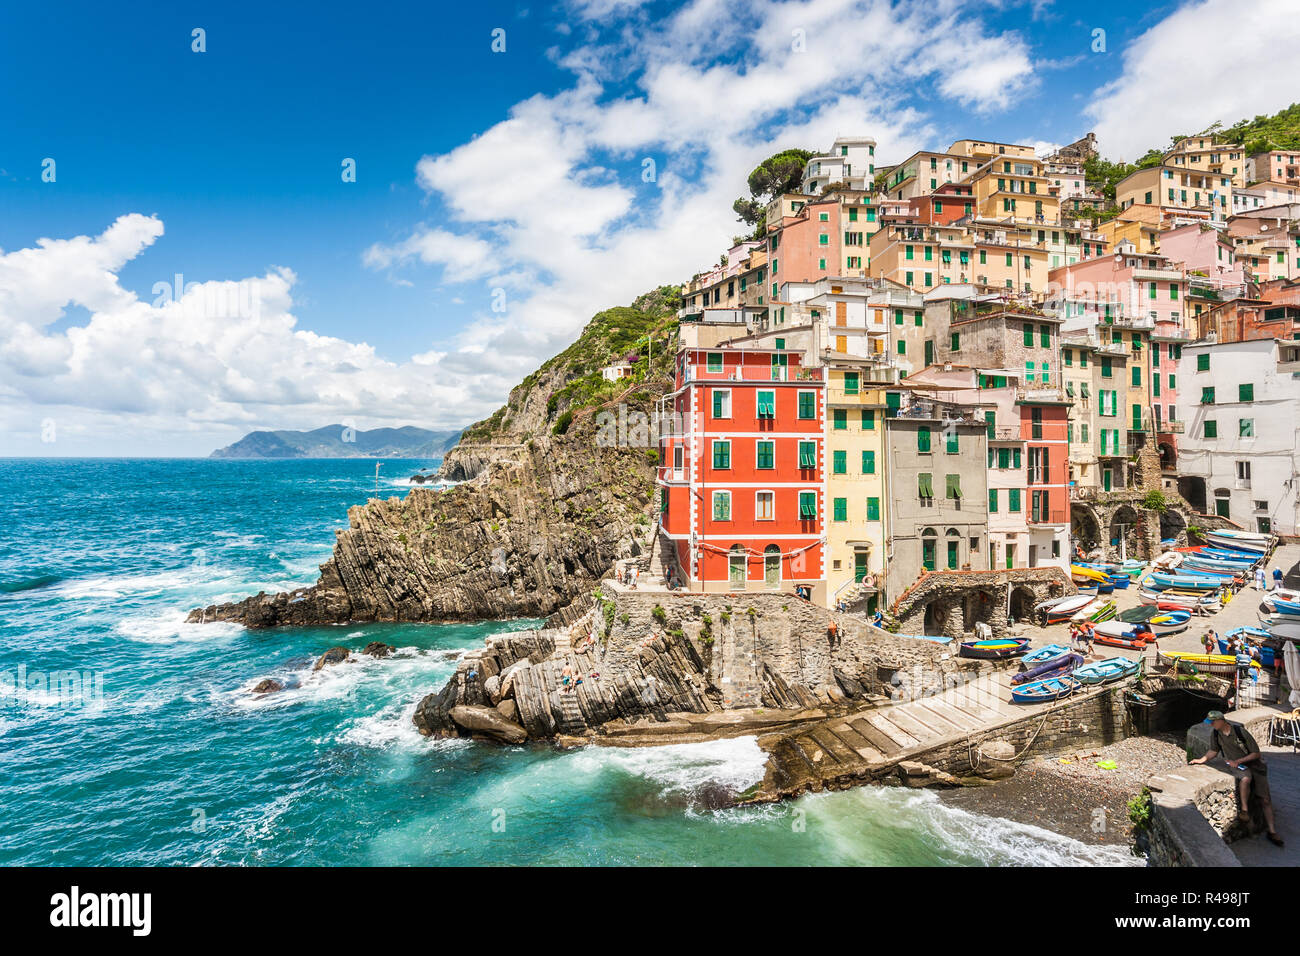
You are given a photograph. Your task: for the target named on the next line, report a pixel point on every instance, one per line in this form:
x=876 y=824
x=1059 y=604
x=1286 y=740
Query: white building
x=852 y=161
x=1240 y=454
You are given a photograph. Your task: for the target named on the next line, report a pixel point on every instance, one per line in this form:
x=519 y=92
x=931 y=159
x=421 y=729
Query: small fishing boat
x=1052 y=652
x=1256 y=636
x=1222 y=664
x=1161 y=580
x=1174 y=599
x=1119 y=634
x=1106 y=671
x=1061 y=666
x=1286 y=608
x=1286 y=628
x=1136 y=615
x=1084 y=574
x=1281 y=594
x=994 y=650
x=1086 y=612
x=1064 y=610
x=1054 y=688
x=1170 y=622
x=1214 y=565
x=1239 y=540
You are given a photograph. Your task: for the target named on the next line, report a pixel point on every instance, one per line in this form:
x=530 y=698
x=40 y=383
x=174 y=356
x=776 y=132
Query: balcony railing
x=1048 y=516
x=753 y=373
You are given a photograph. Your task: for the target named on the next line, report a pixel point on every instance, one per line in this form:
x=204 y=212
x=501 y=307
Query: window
x=873 y=509
x=1245 y=428
x=923 y=439
x=1203 y=362
x=807 y=454
x=766 y=404
x=839 y=462
x=928 y=544
x=715 y=361
x=807 y=405
x=924 y=486
x=868 y=462
x=955 y=342
x=1137 y=376
x=1207 y=395
x=1245 y=393
x=722 y=403
x=1105 y=368
x=952 y=443
x=722 y=454
x=1243 y=472
x=722 y=506
x=1013 y=499
x=993 y=501
x=1210 y=429
x=765 y=505
x=851 y=383
x=840 y=419
x=765 y=454
x=1004 y=457
x=1029 y=333
x=868 y=419
x=1045 y=336
x=808 y=505
x=953 y=487
x=840 y=509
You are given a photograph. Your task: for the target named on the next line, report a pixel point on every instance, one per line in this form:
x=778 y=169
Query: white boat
x=1063 y=610
x=1087 y=611
x=1240 y=540
x=1285 y=594
x=1285 y=628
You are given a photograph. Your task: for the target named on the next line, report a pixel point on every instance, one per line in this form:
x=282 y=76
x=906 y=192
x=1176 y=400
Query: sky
x=388 y=214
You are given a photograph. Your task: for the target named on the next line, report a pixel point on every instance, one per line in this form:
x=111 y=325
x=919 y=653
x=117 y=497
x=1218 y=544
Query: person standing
x=1277 y=578
x=1259 y=579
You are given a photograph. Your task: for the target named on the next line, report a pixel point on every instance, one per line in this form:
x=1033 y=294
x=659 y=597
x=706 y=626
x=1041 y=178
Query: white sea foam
x=170 y=627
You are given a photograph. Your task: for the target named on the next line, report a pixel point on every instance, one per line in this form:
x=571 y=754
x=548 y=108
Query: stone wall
x=964 y=597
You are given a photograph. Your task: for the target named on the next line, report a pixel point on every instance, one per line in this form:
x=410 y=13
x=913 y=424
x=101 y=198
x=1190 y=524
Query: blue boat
x=994 y=650
x=1041 y=691
x=1060 y=666
x=1051 y=652
x=1103 y=672
x=1286 y=608
x=1160 y=580
x=1227 y=554
x=1253 y=635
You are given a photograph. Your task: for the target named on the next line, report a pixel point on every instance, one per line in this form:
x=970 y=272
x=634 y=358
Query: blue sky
x=477 y=171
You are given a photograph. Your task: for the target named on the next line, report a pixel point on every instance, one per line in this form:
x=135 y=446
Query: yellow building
x=1015 y=188
x=855 y=484
x=1176 y=189
x=1206 y=153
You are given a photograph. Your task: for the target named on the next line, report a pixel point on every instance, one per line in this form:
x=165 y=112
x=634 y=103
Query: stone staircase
x=660 y=558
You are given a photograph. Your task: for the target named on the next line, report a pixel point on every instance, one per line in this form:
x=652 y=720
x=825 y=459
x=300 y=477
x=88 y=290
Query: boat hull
x=1043 y=691
x=1107 y=671
x=994 y=650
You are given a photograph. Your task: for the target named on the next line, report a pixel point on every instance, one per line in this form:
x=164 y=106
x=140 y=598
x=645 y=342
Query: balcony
x=1169 y=428
x=753 y=373
x=1004 y=433
x=1047 y=393
x=1049 y=516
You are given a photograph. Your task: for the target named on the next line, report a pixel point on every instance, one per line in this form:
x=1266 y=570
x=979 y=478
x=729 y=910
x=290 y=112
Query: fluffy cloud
x=167 y=375
x=1161 y=91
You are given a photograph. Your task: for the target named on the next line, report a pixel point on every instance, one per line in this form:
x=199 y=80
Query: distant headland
x=340 y=441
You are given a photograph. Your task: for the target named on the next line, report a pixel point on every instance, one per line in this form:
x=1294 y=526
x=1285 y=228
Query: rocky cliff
x=551 y=494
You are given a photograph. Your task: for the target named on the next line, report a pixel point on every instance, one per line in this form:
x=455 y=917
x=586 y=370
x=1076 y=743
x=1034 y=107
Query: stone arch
x=1168 y=456
x=1173 y=524
x=1085 y=525
x=1123 y=524
x=1023 y=599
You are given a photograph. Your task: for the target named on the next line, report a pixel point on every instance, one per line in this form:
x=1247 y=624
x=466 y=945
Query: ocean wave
x=170 y=627
x=34 y=583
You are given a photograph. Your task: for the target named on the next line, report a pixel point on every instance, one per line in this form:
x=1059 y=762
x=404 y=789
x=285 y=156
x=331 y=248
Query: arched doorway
x=1172 y=525
x=929 y=546
x=737 y=562
x=1222 y=506
x=1123 y=535
x=952 y=549
x=1084 y=526
x=772 y=566
x=1168 y=457
x=936 y=617
x=1023 y=600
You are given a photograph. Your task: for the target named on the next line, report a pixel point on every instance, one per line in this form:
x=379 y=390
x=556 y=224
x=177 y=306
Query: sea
x=129 y=737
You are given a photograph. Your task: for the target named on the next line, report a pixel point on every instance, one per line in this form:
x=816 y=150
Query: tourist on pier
x=1210 y=641
x=1277 y=578
x=1241 y=753
x=1259 y=579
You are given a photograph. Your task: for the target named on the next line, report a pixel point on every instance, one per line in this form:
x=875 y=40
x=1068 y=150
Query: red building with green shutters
x=742 y=471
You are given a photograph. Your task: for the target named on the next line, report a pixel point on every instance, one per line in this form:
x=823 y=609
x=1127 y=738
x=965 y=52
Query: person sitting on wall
x=1246 y=763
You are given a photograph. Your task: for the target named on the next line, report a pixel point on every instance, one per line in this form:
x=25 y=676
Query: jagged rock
x=488 y=721
x=509 y=710
x=851 y=687
x=335 y=655
x=378 y=649
x=492 y=687
x=267 y=686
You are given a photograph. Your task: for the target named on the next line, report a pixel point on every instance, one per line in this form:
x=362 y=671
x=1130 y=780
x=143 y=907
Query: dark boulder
x=268 y=686
x=335 y=655
x=489 y=722
x=378 y=649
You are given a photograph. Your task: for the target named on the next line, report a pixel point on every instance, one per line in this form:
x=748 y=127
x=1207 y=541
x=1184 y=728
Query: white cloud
x=1223 y=60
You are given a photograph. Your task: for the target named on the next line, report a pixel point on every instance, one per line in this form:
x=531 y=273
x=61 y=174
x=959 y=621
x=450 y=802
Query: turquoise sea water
x=177 y=763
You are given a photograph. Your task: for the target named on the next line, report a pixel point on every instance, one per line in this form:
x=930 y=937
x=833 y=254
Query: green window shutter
x=1013 y=502
x=1203 y=362
x=902 y=347
x=1015 y=458
x=1029 y=332
x=1045 y=336
x=923 y=439
x=767 y=404
x=868 y=462
x=993 y=501
x=924 y=486
x=955 y=343
x=808 y=505
x=717 y=403
x=1211 y=428
x=721 y=506
x=1173 y=381
x=722 y=454
x=807 y=454
x=851 y=383
x=990 y=422
x=893 y=401
x=841 y=506
x=839 y=462
x=807 y=405
x=868 y=419
x=766 y=455
x=1029 y=372
x=1207 y=395
x=780 y=343
x=1004 y=457
x=1246 y=393
x=1246 y=428
x=715 y=362
x=1137 y=375
x=954 y=486
x=873 y=509
x=952 y=445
